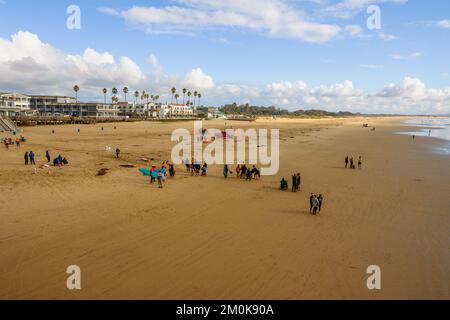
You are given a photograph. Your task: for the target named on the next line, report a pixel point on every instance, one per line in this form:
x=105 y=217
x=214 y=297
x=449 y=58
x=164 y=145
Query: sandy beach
x=211 y=238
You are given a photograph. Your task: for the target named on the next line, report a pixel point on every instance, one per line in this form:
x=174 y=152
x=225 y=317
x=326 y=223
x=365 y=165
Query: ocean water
x=438 y=128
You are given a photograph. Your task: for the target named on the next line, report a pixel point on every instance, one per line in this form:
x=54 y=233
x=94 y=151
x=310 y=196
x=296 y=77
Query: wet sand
x=211 y=238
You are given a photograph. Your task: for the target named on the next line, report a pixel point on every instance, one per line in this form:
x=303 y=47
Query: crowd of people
x=350 y=163
x=11 y=142
x=196 y=168
x=59 y=161
x=296 y=183
x=245 y=172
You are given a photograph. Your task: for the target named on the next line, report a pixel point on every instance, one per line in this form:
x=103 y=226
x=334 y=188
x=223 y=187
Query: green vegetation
x=254 y=111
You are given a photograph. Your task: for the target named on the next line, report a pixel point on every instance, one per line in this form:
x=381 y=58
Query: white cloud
x=387 y=37
x=198 y=79
x=411 y=96
x=275 y=18
x=28 y=65
x=445 y=24
x=346 y=9
x=409 y=56
x=354 y=31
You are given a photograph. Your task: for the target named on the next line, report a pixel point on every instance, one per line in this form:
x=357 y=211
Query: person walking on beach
x=26 y=158
x=47 y=156
x=346 y=162
x=294 y=182
x=160 y=179
x=320 y=198
x=117 y=153
x=31 y=155
x=238 y=171
x=315 y=204
x=360 y=162
x=352 y=163
x=17 y=142
x=299 y=182
x=311 y=203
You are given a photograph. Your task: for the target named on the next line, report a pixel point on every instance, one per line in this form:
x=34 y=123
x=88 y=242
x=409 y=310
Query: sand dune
x=211 y=238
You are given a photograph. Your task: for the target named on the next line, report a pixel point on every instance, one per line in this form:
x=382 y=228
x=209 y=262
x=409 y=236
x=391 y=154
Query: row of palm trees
x=145 y=96
x=189 y=94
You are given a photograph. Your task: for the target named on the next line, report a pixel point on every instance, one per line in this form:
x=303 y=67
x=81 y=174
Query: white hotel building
x=12 y=104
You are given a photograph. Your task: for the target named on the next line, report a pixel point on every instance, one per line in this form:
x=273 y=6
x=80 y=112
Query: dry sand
x=207 y=238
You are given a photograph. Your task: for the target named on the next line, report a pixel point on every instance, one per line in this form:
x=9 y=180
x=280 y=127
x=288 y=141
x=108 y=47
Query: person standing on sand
x=225 y=171
x=320 y=198
x=346 y=162
x=243 y=171
x=31 y=155
x=311 y=203
x=238 y=171
x=299 y=182
x=294 y=182
x=117 y=153
x=26 y=158
x=47 y=156
x=351 y=163
x=160 y=180
x=360 y=163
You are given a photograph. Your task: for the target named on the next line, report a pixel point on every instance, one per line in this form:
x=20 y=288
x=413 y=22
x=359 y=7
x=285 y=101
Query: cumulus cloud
x=275 y=18
x=411 y=96
x=31 y=66
x=27 y=64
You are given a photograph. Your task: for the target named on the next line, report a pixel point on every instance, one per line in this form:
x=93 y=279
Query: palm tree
x=136 y=95
x=199 y=97
x=184 y=94
x=105 y=91
x=76 y=88
x=174 y=90
x=195 y=96
x=189 y=96
x=114 y=92
x=125 y=91
x=176 y=97
x=157 y=98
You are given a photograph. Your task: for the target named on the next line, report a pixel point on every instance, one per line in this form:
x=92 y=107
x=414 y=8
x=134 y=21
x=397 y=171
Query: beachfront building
x=215 y=113
x=14 y=104
x=127 y=109
x=181 y=111
x=151 y=110
x=44 y=105
x=80 y=109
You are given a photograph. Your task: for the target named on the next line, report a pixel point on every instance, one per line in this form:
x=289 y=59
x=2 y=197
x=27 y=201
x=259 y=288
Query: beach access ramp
x=6 y=125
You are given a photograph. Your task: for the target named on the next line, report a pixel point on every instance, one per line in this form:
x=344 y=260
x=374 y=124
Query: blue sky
x=247 y=53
